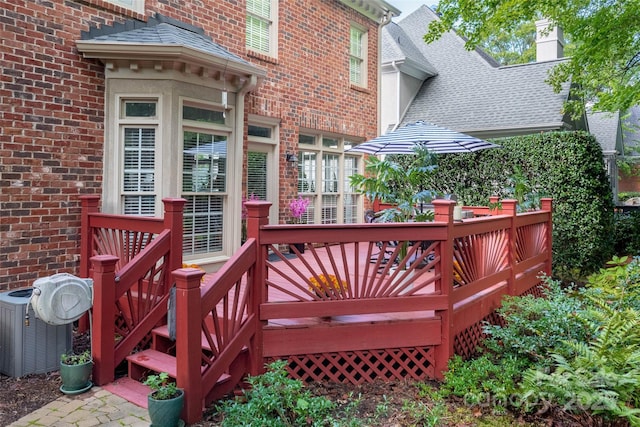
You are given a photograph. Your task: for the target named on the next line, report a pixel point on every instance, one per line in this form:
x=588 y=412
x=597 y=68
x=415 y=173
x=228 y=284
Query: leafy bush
x=604 y=375
x=627 y=233
x=534 y=326
x=600 y=375
x=566 y=166
x=275 y=400
x=485 y=379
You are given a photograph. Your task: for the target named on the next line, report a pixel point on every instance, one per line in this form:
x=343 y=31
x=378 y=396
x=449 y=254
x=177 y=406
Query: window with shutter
x=319 y=161
x=204 y=183
x=138 y=189
x=357 y=56
x=261 y=26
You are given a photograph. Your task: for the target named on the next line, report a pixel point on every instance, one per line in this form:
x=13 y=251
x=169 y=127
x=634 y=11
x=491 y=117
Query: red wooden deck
x=259 y=305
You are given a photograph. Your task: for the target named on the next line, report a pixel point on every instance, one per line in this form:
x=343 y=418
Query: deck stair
x=158 y=358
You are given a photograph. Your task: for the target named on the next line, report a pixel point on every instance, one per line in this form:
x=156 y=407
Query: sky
x=408 y=6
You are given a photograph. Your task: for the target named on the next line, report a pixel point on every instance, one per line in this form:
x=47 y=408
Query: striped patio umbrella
x=434 y=138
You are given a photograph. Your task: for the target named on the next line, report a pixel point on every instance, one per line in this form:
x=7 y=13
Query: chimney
x=549 y=46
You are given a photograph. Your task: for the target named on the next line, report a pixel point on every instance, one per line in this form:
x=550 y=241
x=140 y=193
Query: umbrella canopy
x=434 y=138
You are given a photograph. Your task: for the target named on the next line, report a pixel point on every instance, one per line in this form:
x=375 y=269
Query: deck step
x=163 y=332
x=130 y=390
x=151 y=360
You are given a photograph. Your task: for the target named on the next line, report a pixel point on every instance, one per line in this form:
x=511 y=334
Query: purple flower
x=298 y=207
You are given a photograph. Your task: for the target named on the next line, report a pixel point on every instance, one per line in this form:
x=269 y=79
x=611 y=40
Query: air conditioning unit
x=32 y=349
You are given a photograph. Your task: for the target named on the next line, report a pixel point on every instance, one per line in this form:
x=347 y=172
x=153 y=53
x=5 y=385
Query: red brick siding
x=52 y=120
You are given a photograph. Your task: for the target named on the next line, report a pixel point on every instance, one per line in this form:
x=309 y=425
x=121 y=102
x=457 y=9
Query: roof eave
x=410 y=67
x=132 y=52
x=500 y=132
x=376 y=10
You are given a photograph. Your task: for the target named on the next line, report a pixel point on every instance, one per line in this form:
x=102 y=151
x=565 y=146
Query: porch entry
x=262 y=175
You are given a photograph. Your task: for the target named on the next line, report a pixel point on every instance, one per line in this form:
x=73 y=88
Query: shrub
x=534 y=326
x=275 y=400
x=600 y=375
x=627 y=233
x=566 y=166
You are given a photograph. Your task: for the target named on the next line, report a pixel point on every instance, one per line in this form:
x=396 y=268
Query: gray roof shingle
x=472 y=94
x=160 y=30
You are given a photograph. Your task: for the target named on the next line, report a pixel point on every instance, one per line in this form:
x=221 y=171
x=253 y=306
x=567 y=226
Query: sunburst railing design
x=531 y=240
x=346 y=277
x=479 y=255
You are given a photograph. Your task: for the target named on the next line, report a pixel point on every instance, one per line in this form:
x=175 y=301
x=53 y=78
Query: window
x=333 y=201
x=357 y=56
x=133 y=5
x=204 y=180
x=261 y=26
x=138 y=129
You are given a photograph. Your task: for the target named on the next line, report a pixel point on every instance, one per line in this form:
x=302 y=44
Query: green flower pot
x=75 y=378
x=165 y=413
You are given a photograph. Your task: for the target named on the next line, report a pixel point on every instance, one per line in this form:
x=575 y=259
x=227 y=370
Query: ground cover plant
x=574 y=354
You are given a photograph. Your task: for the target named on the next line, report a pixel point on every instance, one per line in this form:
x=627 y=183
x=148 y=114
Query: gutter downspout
x=386 y=19
x=238 y=129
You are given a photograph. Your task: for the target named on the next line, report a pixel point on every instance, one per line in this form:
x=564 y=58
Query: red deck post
x=188 y=341
x=443 y=210
x=546 y=204
x=510 y=207
x=257 y=216
x=173 y=212
x=493 y=205
x=104 y=315
x=89 y=205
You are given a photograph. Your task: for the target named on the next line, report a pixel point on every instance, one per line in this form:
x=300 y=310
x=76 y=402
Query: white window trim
x=273 y=33
x=320 y=151
x=136 y=6
x=365 y=55
x=271 y=146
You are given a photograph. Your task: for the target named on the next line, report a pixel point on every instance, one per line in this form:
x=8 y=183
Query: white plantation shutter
x=351 y=198
x=139 y=171
x=257 y=175
x=204 y=179
x=259 y=24
x=356 y=59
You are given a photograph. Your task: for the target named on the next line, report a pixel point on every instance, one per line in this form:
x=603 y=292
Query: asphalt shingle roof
x=471 y=93
x=605 y=126
x=160 y=30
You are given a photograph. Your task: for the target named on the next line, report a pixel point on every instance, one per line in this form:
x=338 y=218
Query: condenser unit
x=31 y=349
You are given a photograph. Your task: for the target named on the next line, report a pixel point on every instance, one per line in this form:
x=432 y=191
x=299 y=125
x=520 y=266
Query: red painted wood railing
x=130 y=259
x=456 y=274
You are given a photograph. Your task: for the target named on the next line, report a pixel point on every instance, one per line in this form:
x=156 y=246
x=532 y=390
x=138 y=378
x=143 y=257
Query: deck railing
x=402 y=298
x=131 y=259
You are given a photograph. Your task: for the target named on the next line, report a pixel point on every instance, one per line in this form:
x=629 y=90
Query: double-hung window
x=323 y=178
x=204 y=180
x=138 y=127
x=358 y=56
x=261 y=26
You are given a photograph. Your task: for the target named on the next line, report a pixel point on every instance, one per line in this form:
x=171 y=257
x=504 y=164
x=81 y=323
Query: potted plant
x=165 y=401
x=401 y=186
x=75 y=370
x=298 y=208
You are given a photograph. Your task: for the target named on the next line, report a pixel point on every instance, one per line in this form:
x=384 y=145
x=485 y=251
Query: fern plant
x=602 y=378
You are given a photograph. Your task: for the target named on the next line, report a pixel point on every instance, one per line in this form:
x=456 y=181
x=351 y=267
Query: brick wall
x=52 y=121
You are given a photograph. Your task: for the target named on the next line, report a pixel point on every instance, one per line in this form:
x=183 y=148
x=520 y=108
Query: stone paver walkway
x=96 y=407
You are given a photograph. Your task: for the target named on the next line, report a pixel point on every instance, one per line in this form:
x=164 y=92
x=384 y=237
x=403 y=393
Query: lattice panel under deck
x=357 y=367
x=537 y=291
x=466 y=342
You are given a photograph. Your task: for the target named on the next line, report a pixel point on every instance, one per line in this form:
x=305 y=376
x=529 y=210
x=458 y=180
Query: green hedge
x=566 y=166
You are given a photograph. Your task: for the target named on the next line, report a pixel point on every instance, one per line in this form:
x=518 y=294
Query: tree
x=518 y=47
x=605 y=62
